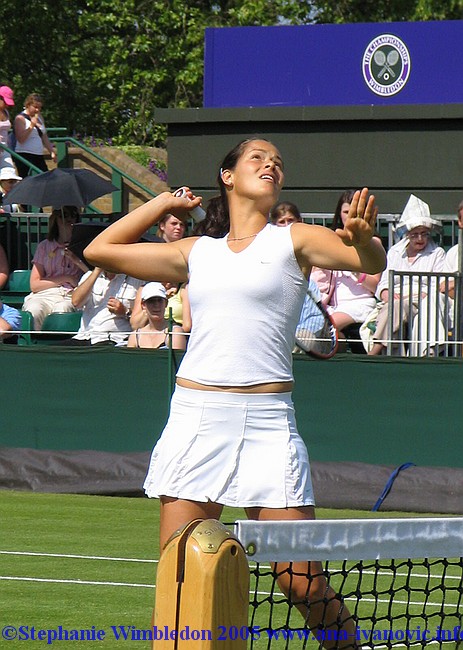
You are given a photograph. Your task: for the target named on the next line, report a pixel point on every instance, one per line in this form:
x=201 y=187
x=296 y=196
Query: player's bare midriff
x=272 y=387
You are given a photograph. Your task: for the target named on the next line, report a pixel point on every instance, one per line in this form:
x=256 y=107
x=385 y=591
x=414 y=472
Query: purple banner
x=334 y=65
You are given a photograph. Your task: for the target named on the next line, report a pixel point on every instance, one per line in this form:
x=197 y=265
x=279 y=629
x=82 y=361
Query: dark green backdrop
x=393 y=150
x=352 y=408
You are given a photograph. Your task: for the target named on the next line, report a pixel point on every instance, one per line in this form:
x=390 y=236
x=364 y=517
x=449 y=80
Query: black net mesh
x=384 y=604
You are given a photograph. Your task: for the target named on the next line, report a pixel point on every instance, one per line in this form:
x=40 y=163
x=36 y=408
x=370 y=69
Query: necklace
x=241 y=238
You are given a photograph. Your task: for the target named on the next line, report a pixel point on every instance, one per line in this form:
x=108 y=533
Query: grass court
x=89 y=563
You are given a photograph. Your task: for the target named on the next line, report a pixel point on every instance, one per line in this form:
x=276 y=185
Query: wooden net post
x=202 y=590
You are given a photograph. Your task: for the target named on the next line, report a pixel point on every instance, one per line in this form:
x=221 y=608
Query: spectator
x=285 y=213
x=174 y=293
x=8 y=179
x=416 y=252
x=452 y=264
x=156 y=333
x=4 y=268
x=106 y=300
x=6 y=99
x=31 y=136
x=348 y=297
x=55 y=270
x=10 y=321
x=451 y=258
x=171 y=228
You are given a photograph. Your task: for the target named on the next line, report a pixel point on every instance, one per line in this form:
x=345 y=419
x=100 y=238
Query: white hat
x=153 y=290
x=416 y=213
x=9 y=173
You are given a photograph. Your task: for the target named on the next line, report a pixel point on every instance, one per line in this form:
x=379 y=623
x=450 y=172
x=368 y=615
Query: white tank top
x=33 y=143
x=245 y=308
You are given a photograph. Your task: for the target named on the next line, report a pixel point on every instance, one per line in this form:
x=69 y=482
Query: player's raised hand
x=359 y=226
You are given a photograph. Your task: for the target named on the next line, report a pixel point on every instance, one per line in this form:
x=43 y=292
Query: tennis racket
x=316 y=333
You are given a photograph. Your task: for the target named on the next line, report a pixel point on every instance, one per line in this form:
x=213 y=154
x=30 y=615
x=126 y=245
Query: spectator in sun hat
x=6 y=100
x=415 y=252
x=8 y=179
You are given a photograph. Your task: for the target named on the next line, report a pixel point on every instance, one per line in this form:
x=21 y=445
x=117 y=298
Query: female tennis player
x=231 y=437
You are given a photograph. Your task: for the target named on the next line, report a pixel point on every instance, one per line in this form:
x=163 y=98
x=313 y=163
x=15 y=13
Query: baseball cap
x=7 y=94
x=153 y=290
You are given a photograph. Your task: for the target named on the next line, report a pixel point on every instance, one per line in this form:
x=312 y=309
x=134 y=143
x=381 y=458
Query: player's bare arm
x=115 y=249
x=351 y=249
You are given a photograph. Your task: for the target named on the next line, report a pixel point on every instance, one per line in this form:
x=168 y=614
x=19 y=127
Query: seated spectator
x=447 y=287
x=10 y=321
x=348 y=297
x=156 y=333
x=174 y=293
x=8 y=179
x=4 y=268
x=285 y=213
x=451 y=258
x=171 y=228
x=416 y=252
x=56 y=271
x=106 y=300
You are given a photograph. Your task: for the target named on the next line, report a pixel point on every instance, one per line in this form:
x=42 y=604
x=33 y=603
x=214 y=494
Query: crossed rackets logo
x=386 y=65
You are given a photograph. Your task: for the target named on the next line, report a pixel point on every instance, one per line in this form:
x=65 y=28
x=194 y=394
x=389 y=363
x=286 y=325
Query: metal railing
x=119 y=178
x=424 y=314
x=447 y=237
x=20 y=232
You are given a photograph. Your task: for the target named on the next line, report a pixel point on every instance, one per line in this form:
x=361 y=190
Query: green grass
x=56 y=590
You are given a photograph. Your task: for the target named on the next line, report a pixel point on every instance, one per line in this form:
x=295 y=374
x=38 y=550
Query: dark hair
x=216 y=223
x=279 y=209
x=58 y=213
x=217 y=220
x=346 y=197
x=165 y=219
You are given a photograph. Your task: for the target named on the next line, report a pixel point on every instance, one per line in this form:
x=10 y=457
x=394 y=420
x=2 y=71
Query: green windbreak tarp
x=349 y=409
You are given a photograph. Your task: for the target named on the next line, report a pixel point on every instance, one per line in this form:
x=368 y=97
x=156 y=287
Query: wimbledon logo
x=386 y=65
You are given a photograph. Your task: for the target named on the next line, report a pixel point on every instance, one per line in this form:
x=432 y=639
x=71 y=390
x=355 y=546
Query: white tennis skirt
x=231 y=448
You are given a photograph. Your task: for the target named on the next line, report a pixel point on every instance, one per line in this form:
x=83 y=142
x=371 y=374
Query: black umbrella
x=61 y=187
x=84 y=233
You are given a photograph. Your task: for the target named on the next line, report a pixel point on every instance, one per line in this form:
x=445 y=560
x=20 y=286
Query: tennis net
x=401 y=581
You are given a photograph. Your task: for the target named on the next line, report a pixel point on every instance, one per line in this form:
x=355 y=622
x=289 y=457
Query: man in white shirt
x=106 y=300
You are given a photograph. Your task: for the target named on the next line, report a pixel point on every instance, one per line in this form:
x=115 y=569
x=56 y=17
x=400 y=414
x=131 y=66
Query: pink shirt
x=50 y=255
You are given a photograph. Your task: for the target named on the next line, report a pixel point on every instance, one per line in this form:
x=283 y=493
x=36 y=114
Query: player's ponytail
x=216 y=223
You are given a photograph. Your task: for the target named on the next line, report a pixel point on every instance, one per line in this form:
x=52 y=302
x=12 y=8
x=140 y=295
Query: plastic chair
x=19 y=280
x=27 y=326
x=62 y=323
x=17 y=289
